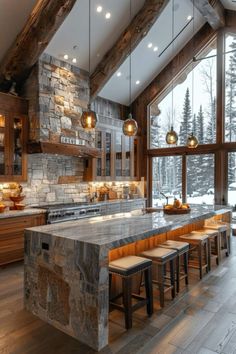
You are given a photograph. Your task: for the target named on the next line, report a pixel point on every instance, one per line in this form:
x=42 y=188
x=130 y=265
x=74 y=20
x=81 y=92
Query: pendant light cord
x=130 y=75
x=172 y=95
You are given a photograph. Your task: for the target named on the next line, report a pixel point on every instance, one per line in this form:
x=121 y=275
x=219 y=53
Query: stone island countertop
x=26 y=212
x=66 y=266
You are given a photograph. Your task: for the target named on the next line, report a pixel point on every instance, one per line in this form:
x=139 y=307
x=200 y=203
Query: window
x=200 y=179
x=232 y=178
x=230 y=88
x=166 y=179
x=193 y=111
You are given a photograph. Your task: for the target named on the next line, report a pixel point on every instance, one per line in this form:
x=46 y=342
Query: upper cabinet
x=119 y=154
x=13 y=135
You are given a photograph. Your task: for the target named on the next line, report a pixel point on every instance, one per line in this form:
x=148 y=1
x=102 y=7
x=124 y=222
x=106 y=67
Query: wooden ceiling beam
x=136 y=30
x=213 y=11
x=44 y=21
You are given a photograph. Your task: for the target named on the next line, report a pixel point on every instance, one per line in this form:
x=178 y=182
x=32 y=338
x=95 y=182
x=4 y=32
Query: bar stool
x=126 y=268
x=182 y=249
x=224 y=230
x=161 y=257
x=200 y=243
x=213 y=239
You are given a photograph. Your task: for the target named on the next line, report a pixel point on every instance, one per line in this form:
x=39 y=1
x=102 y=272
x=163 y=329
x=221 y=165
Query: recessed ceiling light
x=99 y=8
x=108 y=15
x=118 y=74
x=66 y=56
x=74 y=60
x=189 y=18
x=149 y=45
x=155 y=49
x=137 y=82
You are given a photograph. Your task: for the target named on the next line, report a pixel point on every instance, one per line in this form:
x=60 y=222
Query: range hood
x=62 y=149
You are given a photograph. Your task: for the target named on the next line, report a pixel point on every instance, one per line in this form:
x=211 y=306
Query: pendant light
x=192 y=141
x=89 y=117
x=172 y=136
x=130 y=126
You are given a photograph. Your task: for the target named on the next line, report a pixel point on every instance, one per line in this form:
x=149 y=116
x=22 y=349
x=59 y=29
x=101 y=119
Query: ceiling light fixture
x=89 y=117
x=149 y=45
x=130 y=126
x=118 y=74
x=66 y=56
x=189 y=18
x=108 y=15
x=137 y=82
x=99 y=8
x=74 y=60
x=155 y=49
x=172 y=136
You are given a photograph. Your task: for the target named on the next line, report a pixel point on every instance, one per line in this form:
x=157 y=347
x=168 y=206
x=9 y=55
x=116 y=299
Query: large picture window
x=194 y=105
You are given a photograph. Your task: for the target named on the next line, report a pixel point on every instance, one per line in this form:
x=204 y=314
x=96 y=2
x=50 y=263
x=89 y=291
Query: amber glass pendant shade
x=130 y=126
x=89 y=119
x=171 y=137
x=192 y=142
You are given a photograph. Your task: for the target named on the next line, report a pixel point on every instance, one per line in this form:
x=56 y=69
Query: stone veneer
x=57 y=92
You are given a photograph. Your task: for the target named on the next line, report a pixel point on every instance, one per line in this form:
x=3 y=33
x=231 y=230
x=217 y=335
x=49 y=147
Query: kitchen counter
x=66 y=266
x=26 y=212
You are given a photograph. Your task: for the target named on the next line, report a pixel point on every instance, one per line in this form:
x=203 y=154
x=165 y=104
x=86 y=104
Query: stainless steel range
x=64 y=212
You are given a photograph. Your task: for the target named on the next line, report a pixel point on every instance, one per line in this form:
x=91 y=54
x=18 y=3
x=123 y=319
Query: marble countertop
x=119 y=229
x=26 y=212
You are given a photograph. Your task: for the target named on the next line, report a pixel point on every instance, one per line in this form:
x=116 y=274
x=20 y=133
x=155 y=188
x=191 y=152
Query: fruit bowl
x=20 y=206
x=173 y=211
x=17 y=199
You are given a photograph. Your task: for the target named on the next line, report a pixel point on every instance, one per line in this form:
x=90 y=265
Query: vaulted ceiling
x=72 y=38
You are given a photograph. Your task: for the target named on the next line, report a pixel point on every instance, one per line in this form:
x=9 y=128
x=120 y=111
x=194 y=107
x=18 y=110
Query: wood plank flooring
x=202 y=319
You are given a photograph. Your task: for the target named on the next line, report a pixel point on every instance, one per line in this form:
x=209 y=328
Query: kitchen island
x=66 y=264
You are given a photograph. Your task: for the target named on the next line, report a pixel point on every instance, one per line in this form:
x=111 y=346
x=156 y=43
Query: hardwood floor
x=200 y=320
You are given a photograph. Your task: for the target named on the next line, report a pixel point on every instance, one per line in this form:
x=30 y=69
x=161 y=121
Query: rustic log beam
x=136 y=30
x=212 y=10
x=44 y=21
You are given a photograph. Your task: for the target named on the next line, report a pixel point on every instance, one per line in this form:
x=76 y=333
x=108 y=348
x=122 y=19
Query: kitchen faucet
x=167 y=198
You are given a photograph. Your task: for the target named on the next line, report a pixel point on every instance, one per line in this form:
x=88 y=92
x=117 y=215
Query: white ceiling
x=13 y=16
x=229 y=4
x=75 y=30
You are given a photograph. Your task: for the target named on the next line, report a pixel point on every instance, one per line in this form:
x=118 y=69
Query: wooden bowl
x=176 y=211
x=17 y=199
x=20 y=206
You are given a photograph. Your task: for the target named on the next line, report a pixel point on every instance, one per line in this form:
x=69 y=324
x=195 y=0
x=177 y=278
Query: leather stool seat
x=179 y=246
x=129 y=265
x=159 y=254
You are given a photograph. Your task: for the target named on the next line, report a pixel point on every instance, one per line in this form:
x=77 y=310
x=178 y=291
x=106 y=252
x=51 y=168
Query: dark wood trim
x=62 y=149
x=212 y=10
x=220 y=89
x=184 y=179
x=45 y=19
x=135 y=32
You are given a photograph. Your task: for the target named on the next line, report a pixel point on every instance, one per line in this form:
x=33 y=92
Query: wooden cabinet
x=13 y=135
x=12 y=236
x=119 y=158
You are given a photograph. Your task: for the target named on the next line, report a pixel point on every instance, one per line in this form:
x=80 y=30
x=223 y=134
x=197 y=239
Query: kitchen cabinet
x=13 y=135
x=12 y=235
x=119 y=154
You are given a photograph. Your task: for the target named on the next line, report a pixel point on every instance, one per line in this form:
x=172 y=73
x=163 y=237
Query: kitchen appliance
x=56 y=213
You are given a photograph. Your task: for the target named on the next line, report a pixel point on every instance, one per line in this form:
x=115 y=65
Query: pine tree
x=200 y=126
x=185 y=126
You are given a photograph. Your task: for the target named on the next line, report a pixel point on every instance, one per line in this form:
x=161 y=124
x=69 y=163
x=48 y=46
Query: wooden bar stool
x=182 y=249
x=199 y=243
x=213 y=244
x=224 y=230
x=126 y=268
x=161 y=257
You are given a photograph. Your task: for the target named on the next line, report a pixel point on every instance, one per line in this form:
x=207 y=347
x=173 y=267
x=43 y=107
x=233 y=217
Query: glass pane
x=230 y=88
x=232 y=178
x=200 y=179
x=17 y=147
x=118 y=155
x=2 y=144
x=128 y=142
x=166 y=179
x=108 y=154
x=98 y=144
x=192 y=107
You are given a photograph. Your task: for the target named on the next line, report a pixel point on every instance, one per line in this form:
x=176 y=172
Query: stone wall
x=58 y=92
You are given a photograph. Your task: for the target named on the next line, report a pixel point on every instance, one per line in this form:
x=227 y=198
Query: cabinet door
x=4 y=146
x=99 y=168
x=118 y=155
x=127 y=151
x=108 y=155
x=18 y=163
